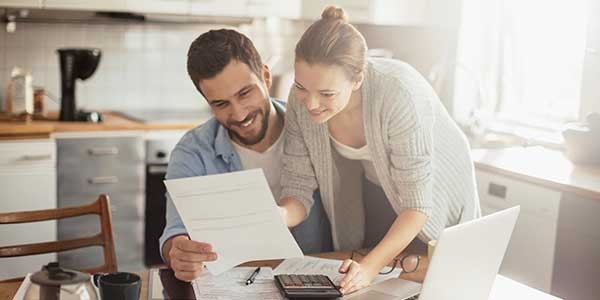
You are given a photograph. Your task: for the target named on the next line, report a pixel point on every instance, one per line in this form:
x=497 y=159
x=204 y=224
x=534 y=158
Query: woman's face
x=324 y=90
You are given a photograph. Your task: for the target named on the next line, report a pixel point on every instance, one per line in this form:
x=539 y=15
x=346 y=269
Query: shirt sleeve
x=183 y=163
x=297 y=177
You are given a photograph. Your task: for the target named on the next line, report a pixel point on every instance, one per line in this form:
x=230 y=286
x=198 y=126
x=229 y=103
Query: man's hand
x=187 y=257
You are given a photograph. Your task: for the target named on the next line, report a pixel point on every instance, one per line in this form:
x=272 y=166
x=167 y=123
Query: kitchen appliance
x=159 y=145
x=53 y=283
x=76 y=64
x=19 y=97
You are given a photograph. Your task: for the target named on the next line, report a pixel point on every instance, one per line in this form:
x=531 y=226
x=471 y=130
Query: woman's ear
x=266 y=76
x=358 y=83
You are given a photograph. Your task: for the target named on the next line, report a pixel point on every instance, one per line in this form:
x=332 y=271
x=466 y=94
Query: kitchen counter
x=542 y=166
x=113 y=121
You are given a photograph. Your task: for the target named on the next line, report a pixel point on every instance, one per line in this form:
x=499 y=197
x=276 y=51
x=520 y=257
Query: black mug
x=118 y=286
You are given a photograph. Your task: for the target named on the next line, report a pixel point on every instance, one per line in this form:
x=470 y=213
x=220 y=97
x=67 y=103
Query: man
x=246 y=132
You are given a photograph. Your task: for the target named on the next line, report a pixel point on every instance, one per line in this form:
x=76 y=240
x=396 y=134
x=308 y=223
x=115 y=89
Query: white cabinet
x=274 y=8
x=107 y=5
x=531 y=251
x=21 y=3
x=27 y=182
x=180 y=7
x=233 y=8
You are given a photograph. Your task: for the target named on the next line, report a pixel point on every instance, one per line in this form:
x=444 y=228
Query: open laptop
x=464 y=265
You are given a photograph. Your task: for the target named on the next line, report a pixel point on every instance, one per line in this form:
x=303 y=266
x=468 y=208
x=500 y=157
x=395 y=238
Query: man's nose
x=238 y=112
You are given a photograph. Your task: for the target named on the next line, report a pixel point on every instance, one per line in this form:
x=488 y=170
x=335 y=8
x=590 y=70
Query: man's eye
x=220 y=104
x=299 y=87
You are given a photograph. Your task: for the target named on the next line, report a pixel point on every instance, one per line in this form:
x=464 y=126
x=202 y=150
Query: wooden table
x=504 y=288
x=8 y=289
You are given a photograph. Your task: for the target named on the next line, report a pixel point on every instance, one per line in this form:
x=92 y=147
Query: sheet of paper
x=231 y=285
x=329 y=267
x=236 y=213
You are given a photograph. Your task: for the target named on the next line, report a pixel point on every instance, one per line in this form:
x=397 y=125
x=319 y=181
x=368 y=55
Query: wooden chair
x=104 y=238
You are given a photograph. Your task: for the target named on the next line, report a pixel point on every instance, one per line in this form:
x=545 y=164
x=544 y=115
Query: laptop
x=464 y=265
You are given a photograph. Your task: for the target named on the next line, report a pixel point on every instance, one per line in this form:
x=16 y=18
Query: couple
x=364 y=154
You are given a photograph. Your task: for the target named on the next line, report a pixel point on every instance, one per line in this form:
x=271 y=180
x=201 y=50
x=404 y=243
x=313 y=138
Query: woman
x=383 y=115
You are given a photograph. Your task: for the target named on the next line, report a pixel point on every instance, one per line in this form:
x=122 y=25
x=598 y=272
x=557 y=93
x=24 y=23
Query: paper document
x=231 y=285
x=329 y=267
x=236 y=213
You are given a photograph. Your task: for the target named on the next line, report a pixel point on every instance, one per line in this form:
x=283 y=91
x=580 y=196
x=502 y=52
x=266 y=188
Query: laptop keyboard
x=415 y=297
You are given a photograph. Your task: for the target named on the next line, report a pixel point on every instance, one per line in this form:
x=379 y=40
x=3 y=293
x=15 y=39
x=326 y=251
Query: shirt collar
x=223 y=144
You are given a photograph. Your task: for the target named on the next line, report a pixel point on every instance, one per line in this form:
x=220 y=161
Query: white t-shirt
x=363 y=154
x=269 y=161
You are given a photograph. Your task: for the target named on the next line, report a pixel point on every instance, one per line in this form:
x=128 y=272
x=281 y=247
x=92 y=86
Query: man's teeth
x=247 y=123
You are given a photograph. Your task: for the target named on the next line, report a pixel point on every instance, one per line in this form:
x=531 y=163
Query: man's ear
x=266 y=76
x=358 y=83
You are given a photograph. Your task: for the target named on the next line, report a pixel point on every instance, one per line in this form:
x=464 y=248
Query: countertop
x=113 y=121
x=541 y=166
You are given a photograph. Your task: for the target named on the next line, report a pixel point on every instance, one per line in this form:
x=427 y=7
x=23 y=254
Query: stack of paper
x=231 y=285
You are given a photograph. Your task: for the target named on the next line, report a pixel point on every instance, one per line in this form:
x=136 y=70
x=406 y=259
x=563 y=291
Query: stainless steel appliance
x=158 y=150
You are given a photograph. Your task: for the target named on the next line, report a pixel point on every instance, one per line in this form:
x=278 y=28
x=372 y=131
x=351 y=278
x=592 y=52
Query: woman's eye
x=328 y=95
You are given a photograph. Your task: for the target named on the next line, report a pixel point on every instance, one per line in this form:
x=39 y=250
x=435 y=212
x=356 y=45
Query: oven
x=158 y=150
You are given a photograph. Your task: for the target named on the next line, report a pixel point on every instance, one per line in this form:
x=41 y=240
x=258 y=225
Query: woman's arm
x=404 y=229
x=292 y=211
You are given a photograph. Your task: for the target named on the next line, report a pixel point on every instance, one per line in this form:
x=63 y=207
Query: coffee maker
x=76 y=63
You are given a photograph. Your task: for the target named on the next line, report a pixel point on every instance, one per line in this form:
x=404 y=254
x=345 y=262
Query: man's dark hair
x=212 y=51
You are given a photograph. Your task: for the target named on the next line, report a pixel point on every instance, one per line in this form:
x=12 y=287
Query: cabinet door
x=530 y=255
x=159 y=6
x=233 y=8
x=109 y=5
x=27 y=182
x=289 y=9
x=21 y=3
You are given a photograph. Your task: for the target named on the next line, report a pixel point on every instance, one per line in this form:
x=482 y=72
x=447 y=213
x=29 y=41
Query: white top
x=363 y=154
x=269 y=161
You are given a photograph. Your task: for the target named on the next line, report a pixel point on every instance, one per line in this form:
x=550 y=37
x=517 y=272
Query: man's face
x=240 y=101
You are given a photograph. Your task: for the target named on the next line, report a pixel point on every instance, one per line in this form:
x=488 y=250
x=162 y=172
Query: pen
x=252 y=276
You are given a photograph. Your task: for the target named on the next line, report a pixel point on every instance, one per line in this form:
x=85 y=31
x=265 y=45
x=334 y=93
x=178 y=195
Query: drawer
x=498 y=192
x=27 y=154
x=126 y=178
x=99 y=152
x=122 y=205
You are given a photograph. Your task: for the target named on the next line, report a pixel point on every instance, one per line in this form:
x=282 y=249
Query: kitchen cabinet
x=274 y=8
x=21 y=3
x=106 y=5
x=233 y=8
x=530 y=255
x=27 y=182
x=112 y=165
x=180 y=7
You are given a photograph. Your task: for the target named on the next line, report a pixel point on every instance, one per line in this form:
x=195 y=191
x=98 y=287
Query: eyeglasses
x=407 y=263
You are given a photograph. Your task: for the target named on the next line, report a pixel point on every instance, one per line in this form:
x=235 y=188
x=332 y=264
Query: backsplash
x=143 y=66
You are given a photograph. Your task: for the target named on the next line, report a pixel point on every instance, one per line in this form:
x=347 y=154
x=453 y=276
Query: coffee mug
x=118 y=286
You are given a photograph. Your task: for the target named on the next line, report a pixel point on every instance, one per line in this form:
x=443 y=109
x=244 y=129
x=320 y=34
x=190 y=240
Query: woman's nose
x=311 y=103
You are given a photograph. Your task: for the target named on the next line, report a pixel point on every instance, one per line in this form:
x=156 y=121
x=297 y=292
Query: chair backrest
x=104 y=238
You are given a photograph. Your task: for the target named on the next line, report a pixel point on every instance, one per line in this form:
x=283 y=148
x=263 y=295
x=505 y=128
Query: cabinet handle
x=103 y=151
x=157 y=170
x=37 y=157
x=497 y=190
x=103 y=180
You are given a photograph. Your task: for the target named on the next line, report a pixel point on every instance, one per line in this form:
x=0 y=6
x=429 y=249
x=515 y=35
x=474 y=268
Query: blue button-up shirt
x=207 y=150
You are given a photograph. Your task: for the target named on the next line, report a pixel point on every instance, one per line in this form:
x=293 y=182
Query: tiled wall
x=142 y=65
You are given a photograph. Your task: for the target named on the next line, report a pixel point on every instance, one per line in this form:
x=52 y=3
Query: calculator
x=297 y=286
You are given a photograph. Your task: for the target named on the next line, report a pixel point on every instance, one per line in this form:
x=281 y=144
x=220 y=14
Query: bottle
x=20 y=92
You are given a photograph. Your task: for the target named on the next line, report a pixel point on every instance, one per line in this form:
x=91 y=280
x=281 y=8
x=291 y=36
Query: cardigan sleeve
x=297 y=177
x=410 y=134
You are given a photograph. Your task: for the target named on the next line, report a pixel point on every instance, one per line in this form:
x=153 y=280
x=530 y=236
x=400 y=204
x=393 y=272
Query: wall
x=143 y=66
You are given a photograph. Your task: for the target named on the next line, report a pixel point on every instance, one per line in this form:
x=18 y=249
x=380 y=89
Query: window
x=521 y=62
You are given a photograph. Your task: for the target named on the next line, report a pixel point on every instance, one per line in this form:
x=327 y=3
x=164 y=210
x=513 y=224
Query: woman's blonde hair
x=331 y=40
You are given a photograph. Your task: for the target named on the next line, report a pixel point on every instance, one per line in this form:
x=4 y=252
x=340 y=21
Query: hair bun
x=333 y=12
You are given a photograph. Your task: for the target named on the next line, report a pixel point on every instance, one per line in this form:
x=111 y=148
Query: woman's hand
x=357 y=276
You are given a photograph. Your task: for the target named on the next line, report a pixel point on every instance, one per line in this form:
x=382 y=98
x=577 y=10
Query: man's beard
x=263 y=126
